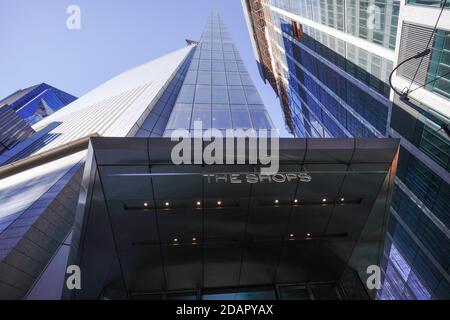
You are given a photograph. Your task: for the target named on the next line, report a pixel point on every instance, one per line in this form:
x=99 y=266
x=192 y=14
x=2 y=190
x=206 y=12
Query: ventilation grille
x=414 y=40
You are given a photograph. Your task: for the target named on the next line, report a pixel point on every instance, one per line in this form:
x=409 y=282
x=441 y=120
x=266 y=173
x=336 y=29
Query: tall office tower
x=330 y=62
x=20 y=110
x=37 y=102
x=218 y=90
x=40 y=177
x=97 y=187
x=419 y=226
x=13 y=129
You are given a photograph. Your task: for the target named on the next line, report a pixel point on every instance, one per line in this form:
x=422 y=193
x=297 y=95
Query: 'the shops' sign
x=253 y=178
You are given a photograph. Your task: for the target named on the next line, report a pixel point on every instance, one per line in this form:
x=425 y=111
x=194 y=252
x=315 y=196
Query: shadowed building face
x=151 y=228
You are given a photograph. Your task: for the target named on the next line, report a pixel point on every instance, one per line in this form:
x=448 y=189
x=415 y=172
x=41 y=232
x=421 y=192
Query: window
x=186 y=94
x=297 y=30
x=217 y=46
x=203 y=94
x=202 y=113
x=228 y=55
x=191 y=77
x=217 y=55
x=440 y=65
x=241 y=119
x=257 y=107
x=233 y=79
x=431 y=3
x=246 y=80
x=180 y=119
x=194 y=64
x=260 y=120
x=219 y=79
x=206 y=46
x=252 y=96
x=231 y=66
x=205 y=65
x=237 y=96
x=204 y=78
x=205 y=55
x=218 y=66
x=241 y=67
x=228 y=47
x=220 y=95
x=221 y=118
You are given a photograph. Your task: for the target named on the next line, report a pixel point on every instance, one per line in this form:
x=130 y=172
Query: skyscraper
x=419 y=226
x=330 y=62
x=215 y=87
x=96 y=187
x=13 y=129
x=20 y=110
x=37 y=102
x=218 y=89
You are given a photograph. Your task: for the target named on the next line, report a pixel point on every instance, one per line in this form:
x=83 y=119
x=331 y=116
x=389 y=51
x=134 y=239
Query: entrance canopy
x=145 y=225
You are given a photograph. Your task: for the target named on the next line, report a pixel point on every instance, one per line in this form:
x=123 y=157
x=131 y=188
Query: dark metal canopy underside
x=146 y=225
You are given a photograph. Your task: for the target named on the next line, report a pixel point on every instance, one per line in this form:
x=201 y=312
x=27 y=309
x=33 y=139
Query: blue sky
x=116 y=35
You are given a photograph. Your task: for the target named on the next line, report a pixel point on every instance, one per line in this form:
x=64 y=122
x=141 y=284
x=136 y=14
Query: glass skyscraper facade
x=13 y=129
x=336 y=88
x=217 y=89
x=37 y=102
x=40 y=175
x=330 y=62
x=96 y=186
x=22 y=109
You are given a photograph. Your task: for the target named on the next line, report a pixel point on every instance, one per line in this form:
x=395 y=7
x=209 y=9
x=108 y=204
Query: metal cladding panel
x=36 y=212
x=113 y=108
x=17 y=192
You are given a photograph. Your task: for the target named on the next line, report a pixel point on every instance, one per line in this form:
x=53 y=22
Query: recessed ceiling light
x=219 y=203
x=199 y=203
x=167 y=204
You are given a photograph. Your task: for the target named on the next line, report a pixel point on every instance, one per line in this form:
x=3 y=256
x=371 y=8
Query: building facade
x=22 y=109
x=96 y=187
x=330 y=63
x=13 y=129
x=37 y=102
x=218 y=90
x=40 y=177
